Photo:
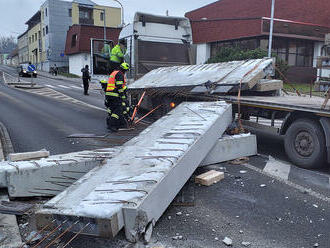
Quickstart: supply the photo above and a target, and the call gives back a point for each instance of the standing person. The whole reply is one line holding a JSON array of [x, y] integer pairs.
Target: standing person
[[115, 98], [117, 55], [55, 70], [86, 78]]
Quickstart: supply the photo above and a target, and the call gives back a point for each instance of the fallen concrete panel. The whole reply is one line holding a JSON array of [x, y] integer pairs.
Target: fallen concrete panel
[[212, 77], [50, 176], [232, 147], [136, 186]]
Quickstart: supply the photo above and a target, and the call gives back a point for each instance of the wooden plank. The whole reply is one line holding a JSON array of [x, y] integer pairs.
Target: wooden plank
[[209, 178], [28, 155], [268, 85]]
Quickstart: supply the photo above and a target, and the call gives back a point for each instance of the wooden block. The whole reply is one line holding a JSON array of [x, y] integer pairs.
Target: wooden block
[[268, 85], [209, 178], [28, 155]]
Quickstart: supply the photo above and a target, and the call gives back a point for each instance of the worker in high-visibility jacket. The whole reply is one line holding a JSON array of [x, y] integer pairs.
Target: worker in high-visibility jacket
[[117, 55], [115, 98]]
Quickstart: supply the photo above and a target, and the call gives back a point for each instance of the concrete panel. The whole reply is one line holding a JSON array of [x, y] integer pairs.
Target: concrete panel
[[231, 147], [136, 186], [50, 176]]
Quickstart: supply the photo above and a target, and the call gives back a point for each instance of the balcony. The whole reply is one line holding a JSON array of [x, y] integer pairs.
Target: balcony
[[86, 21]]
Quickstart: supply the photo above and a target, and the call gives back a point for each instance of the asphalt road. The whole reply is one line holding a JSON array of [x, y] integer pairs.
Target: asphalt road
[[267, 202], [35, 121]]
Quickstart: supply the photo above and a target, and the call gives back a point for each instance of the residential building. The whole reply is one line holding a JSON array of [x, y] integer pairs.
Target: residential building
[[299, 30], [34, 39], [13, 58], [78, 44], [23, 48], [48, 28]]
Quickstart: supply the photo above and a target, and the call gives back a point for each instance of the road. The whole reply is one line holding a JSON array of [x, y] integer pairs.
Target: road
[[267, 202], [37, 121]]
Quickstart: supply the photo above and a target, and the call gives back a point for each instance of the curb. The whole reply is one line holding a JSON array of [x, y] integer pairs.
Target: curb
[[7, 146]]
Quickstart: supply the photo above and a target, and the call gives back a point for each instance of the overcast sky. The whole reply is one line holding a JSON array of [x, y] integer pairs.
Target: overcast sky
[[14, 13]]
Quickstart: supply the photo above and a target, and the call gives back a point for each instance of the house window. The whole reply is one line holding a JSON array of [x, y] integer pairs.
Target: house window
[[85, 15], [74, 40], [70, 12], [46, 12], [39, 34], [35, 37], [29, 40], [102, 16], [32, 38], [43, 31], [46, 29]]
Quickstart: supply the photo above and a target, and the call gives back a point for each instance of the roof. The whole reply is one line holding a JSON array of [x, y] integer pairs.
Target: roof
[[243, 17], [84, 2], [157, 18], [84, 34], [18, 37], [36, 18]]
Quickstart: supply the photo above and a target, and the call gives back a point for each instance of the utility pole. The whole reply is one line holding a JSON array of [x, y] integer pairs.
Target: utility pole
[[271, 30], [122, 12]]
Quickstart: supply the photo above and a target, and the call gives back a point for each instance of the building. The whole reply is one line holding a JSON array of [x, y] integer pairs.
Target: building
[[47, 28], [34, 39], [78, 44], [299, 30], [23, 48], [13, 58]]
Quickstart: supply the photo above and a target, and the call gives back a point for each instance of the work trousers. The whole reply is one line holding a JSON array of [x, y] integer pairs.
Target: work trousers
[[86, 85], [115, 118], [114, 66]]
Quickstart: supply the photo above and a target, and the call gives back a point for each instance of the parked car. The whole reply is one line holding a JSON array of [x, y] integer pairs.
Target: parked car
[[23, 71]]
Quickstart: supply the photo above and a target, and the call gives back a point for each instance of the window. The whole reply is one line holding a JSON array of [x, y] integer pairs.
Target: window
[[47, 29], [30, 40], [46, 12], [35, 37], [85, 15], [102, 16], [70, 12], [39, 34], [43, 31], [74, 40]]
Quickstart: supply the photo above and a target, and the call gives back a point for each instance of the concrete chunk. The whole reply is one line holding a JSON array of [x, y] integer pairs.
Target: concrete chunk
[[231, 147]]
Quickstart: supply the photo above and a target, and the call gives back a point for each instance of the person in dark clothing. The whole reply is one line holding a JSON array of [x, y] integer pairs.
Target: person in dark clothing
[[86, 78], [115, 99], [55, 70]]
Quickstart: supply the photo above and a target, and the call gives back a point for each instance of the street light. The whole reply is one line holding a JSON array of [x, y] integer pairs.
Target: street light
[[271, 30], [122, 12]]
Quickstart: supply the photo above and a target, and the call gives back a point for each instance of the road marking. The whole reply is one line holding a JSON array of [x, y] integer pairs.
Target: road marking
[[277, 168], [50, 86], [291, 184], [76, 87], [63, 86]]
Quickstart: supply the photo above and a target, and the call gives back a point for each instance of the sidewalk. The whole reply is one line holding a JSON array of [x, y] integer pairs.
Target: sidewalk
[[59, 77]]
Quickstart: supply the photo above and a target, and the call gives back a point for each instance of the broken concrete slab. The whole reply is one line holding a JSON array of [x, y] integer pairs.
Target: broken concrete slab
[[136, 186], [231, 147], [14, 157], [268, 85], [8, 228], [50, 176]]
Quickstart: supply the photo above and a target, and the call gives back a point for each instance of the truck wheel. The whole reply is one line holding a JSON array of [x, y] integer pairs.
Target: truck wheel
[[305, 144]]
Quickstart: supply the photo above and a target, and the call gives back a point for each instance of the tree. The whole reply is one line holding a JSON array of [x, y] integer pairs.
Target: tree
[[7, 44]]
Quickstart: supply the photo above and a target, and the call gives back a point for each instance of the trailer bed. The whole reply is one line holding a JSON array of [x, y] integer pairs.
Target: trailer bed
[[288, 103]]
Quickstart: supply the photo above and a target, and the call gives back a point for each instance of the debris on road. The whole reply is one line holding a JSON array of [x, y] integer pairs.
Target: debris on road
[[14, 157], [209, 178], [246, 244], [227, 241], [262, 185], [239, 161]]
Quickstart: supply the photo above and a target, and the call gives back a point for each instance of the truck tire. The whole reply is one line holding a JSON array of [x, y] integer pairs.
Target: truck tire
[[304, 144]]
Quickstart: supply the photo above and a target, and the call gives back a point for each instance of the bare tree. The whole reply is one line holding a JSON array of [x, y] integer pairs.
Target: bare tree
[[7, 44]]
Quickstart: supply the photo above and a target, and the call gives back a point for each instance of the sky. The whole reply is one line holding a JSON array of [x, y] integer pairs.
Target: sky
[[14, 13]]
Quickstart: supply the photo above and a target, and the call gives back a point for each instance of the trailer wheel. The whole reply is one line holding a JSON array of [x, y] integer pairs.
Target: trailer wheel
[[305, 144]]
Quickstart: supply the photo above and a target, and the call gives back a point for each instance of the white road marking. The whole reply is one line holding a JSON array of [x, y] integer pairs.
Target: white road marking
[[50, 86], [63, 86], [278, 168], [75, 87], [291, 184]]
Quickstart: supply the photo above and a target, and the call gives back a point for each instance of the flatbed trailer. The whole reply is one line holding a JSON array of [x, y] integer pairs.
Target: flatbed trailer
[[305, 124]]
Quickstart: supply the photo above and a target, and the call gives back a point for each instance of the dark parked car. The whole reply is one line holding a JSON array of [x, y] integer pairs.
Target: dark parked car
[[23, 71]]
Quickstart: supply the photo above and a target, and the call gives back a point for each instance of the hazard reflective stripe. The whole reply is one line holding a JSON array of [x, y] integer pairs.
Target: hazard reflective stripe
[[115, 116], [109, 111], [112, 94], [124, 104]]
